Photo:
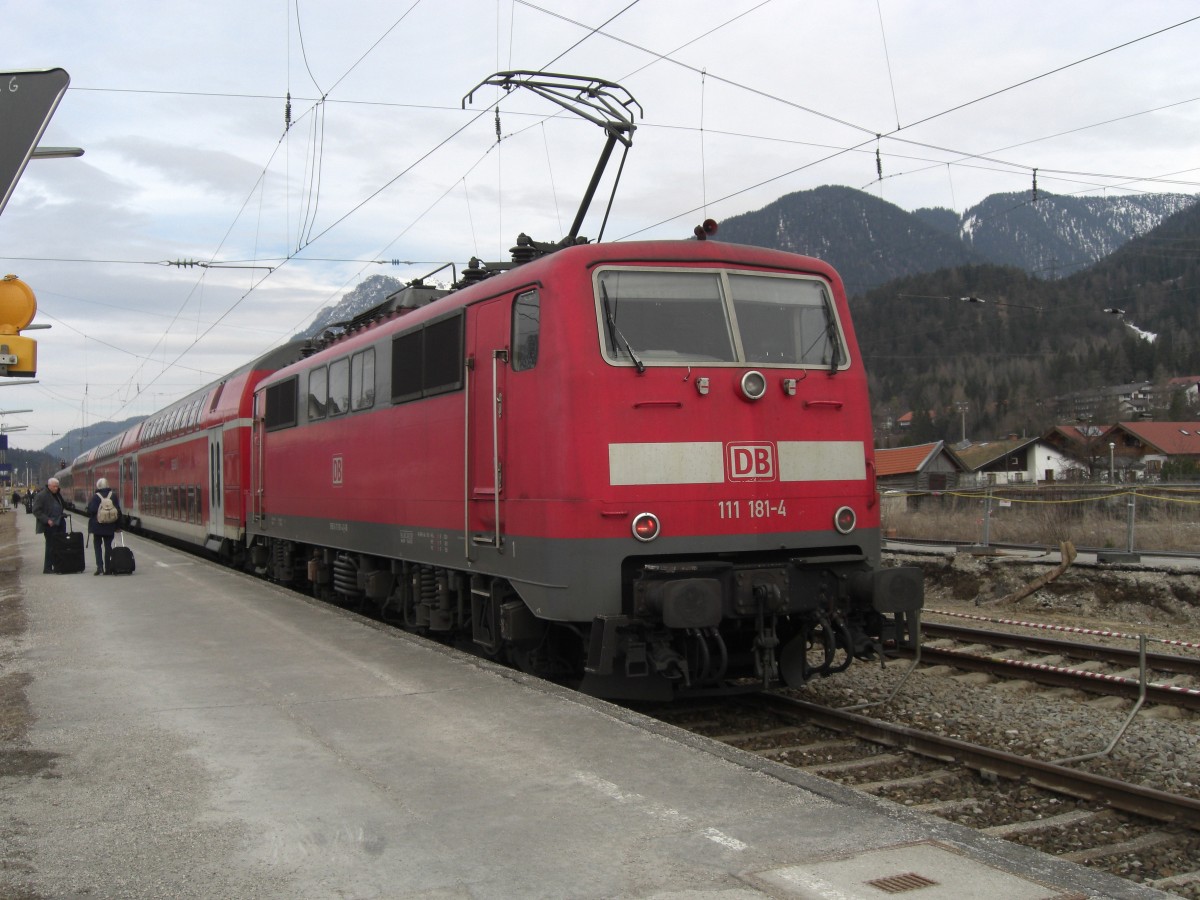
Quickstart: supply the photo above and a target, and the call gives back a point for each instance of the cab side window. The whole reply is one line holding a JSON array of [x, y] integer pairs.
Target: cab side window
[[526, 329]]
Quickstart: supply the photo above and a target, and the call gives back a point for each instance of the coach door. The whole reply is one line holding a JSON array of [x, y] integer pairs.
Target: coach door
[[216, 488], [128, 478], [487, 346]]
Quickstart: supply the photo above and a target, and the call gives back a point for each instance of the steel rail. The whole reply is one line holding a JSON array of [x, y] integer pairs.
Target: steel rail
[[1058, 676], [1149, 802], [899, 543], [1122, 656]]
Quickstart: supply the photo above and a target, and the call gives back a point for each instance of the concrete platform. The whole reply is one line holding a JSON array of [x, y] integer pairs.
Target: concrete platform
[[199, 733]]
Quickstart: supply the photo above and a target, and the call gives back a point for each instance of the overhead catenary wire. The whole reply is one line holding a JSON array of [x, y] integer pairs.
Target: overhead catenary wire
[[888, 59], [314, 237]]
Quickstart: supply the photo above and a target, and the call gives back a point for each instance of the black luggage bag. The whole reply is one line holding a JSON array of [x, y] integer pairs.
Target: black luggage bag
[[120, 558], [66, 551]]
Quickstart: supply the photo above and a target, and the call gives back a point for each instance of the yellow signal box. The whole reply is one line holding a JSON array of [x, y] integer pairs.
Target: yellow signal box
[[18, 354]]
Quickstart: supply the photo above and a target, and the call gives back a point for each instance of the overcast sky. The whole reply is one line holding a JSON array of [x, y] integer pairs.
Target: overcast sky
[[180, 108]]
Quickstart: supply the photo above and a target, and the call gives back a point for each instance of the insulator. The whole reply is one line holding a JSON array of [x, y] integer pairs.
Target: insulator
[[524, 251], [475, 271]]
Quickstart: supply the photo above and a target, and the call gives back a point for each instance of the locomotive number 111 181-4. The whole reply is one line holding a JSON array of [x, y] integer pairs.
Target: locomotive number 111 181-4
[[754, 509]]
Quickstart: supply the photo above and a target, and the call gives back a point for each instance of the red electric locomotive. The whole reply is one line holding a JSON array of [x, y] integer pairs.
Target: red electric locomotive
[[647, 467]]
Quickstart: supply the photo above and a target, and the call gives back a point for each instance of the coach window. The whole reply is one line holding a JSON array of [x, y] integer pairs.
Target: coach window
[[526, 327], [406, 366], [428, 360], [362, 379], [281, 405], [443, 364], [318, 393], [339, 387]]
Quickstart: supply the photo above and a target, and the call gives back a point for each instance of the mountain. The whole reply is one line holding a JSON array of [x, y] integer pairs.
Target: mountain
[[365, 295], [870, 241], [1058, 235], [1132, 317], [30, 467], [74, 442]]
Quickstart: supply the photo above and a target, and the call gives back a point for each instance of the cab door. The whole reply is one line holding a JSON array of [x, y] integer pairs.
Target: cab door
[[487, 344]]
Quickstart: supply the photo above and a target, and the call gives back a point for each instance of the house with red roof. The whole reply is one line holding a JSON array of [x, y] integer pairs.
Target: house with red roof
[[925, 467], [1150, 444]]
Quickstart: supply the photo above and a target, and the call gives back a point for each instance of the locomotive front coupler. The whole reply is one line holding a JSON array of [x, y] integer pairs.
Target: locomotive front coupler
[[682, 595]]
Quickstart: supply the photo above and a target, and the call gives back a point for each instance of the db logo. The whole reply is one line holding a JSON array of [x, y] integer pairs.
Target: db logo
[[750, 462], [337, 470]]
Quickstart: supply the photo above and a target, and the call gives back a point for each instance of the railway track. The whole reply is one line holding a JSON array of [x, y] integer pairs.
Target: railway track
[[1163, 678], [1095, 820]]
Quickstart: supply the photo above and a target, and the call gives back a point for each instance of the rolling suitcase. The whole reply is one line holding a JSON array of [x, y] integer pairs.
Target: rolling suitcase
[[120, 559], [66, 551]]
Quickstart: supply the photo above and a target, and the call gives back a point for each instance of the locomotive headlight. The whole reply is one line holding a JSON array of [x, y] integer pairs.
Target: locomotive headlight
[[754, 385], [844, 520], [645, 526]]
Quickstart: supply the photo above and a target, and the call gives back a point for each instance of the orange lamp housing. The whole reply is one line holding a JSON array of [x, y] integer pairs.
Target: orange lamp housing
[[18, 354]]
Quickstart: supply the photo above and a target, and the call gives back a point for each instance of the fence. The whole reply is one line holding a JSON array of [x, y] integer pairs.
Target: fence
[[1134, 518]]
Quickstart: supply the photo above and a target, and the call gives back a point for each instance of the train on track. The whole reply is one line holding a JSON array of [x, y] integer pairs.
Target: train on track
[[642, 468]]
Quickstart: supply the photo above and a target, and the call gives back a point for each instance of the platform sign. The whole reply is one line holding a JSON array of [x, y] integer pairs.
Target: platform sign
[[27, 101]]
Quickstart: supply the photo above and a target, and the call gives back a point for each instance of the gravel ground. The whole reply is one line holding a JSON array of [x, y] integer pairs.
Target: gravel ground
[[1161, 747]]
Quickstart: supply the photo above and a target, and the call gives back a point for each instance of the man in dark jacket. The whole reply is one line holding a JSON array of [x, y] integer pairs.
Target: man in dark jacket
[[48, 510], [101, 530]]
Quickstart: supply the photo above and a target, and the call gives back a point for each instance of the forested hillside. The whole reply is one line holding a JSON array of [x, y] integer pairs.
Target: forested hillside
[[928, 348]]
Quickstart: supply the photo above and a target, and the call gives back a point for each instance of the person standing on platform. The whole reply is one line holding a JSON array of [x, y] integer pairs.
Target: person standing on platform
[[48, 510], [104, 516]]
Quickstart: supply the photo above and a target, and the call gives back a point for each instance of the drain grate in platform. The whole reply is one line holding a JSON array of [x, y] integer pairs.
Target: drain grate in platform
[[898, 884]]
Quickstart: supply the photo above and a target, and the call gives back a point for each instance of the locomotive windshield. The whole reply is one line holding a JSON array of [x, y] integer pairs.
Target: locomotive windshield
[[683, 317]]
